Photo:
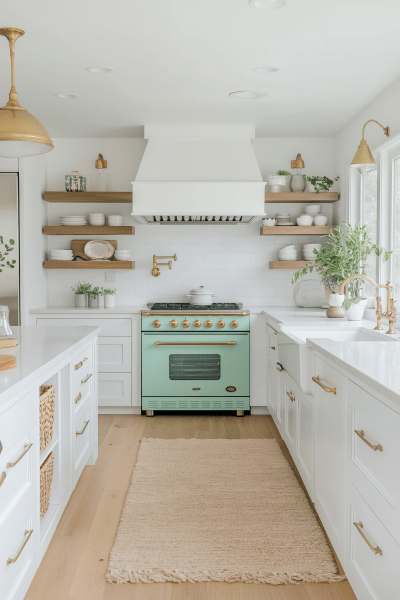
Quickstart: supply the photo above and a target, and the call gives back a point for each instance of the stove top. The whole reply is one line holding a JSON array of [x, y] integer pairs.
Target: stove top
[[186, 306]]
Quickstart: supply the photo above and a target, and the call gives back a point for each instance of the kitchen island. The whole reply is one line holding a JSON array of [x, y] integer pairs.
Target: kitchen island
[[62, 360]]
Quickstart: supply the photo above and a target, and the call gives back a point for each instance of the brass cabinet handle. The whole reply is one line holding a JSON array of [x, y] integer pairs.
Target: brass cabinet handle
[[88, 377], [79, 397], [359, 526], [195, 343], [27, 532], [80, 364], [291, 396], [279, 368], [273, 348], [324, 387], [2, 477], [360, 434], [84, 427], [27, 447]]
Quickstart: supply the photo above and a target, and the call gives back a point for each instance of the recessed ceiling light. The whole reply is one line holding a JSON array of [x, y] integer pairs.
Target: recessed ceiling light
[[267, 3], [266, 69], [247, 95], [67, 96], [100, 70]]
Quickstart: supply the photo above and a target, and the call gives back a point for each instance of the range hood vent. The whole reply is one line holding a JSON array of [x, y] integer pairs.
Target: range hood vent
[[192, 175]]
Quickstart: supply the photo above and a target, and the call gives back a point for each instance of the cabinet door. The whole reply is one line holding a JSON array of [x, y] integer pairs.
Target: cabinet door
[[115, 354], [305, 440], [290, 414], [330, 452], [115, 389]]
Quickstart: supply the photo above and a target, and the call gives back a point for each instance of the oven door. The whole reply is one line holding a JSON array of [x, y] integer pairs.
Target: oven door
[[200, 364]]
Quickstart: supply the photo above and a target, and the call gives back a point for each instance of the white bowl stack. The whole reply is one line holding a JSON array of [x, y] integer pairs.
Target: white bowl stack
[[304, 220], [122, 255], [115, 220], [312, 209], [97, 219], [308, 253], [61, 254], [72, 221], [288, 253]]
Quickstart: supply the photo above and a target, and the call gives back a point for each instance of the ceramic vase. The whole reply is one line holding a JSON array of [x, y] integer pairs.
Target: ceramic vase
[[356, 311], [109, 301], [298, 184], [93, 301], [80, 300], [101, 301], [75, 182]]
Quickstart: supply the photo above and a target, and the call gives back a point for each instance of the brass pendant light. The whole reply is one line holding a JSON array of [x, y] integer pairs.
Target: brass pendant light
[[21, 134], [363, 156]]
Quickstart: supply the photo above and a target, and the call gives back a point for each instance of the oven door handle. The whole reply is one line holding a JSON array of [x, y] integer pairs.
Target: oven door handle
[[195, 343]]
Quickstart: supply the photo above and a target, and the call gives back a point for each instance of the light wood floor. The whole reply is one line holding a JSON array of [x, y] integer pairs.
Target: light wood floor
[[74, 565]]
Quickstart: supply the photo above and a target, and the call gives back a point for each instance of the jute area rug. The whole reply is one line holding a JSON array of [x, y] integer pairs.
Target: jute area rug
[[217, 510]]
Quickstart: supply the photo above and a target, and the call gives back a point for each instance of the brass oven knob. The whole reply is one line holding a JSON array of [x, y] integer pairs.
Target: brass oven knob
[[234, 324], [157, 324], [185, 323], [221, 324], [174, 324], [196, 324], [208, 324]]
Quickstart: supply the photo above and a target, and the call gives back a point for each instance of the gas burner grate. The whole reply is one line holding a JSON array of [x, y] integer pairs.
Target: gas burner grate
[[167, 306], [186, 306]]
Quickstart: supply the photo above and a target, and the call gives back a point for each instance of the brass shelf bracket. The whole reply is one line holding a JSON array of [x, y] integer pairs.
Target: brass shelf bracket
[[156, 271]]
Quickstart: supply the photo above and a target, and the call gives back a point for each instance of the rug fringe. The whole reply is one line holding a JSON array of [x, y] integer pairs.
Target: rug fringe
[[163, 576]]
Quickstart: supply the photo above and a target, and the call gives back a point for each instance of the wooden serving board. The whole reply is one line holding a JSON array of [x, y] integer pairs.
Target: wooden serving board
[[7, 361], [9, 343], [78, 247]]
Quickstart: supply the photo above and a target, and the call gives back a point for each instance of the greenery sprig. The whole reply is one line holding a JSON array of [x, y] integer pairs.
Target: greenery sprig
[[283, 173], [320, 184], [4, 252], [82, 288]]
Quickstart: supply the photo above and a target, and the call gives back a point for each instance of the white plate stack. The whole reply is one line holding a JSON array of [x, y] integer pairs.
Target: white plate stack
[[308, 251], [288, 253], [61, 255], [73, 221], [122, 255]]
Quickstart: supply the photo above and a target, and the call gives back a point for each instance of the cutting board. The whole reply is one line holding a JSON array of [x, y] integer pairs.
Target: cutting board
[[78, 246], [8, 343], [7, 362]]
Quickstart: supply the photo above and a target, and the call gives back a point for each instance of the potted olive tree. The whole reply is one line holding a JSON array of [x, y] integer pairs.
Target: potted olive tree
[[81, 291], [346, 253]]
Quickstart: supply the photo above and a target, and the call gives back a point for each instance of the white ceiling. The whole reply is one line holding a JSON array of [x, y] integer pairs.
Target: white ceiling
[[176, 61]]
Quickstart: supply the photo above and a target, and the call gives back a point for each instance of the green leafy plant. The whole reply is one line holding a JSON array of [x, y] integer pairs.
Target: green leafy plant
[[320, 184], [345, 254], [82, 288], [109, 291], [283, 173], [5, 249], [96, 291]]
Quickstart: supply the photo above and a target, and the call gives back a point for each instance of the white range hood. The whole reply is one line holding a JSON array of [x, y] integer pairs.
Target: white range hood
[[193, 175]]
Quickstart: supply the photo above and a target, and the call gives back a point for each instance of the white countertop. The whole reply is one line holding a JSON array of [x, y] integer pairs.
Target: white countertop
[[284, 317], [73, 310], [39, 349]]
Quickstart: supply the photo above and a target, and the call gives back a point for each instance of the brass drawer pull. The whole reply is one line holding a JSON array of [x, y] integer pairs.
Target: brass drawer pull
[[280, 368], [27, 532], [2, 477], [324, 387], [27, 448], [84, 427], [273, 348], [195, 343], [359, 526], [79, 397], [291, 396], [80, 364], [88, 377], [360, 434]]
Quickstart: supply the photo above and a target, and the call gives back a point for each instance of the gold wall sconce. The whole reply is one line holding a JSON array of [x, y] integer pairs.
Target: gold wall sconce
[[363, 157], [298, 163], [156, 272], [101, 163]]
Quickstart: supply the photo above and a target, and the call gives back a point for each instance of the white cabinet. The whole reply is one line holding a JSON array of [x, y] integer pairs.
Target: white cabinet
[[330, 451], [115, 355], [290, 414], [115, 389]]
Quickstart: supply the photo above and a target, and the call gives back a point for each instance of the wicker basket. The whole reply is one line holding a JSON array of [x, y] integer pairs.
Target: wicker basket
[[46, 477], [47, 404]]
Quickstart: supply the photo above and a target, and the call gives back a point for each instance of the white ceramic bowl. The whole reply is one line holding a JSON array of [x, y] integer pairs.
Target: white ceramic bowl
[[97, 222], [96, 215], [269, 222], [60, 258], [65, 252], [290, 253], [312, 209], [303, 221], [122, 256], [312, 246], [320, 220], [291, 247]]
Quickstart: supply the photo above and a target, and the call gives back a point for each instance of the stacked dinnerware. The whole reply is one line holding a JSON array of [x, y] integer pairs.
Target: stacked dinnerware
[[122, 254], [308, 251], [73, 220], [115, 220], [283, 218], [97, 219], [288, 253], [320, 220], [61, 254], [312, 209], [304, 220]]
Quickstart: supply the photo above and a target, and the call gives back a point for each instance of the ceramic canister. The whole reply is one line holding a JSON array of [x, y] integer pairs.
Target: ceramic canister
[[75, 182]]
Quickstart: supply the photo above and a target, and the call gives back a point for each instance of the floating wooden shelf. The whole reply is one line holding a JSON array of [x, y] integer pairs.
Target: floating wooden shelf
[[296, 230], [302, 197], [110, 265], [111, 197], [88, 230], [289, 264]]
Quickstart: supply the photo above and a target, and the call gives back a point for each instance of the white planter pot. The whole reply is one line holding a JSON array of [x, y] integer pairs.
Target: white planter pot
[[201, 296], [101, 301], [336, 299], [109, 301], [80, 300], [93, 301], [356, 311]]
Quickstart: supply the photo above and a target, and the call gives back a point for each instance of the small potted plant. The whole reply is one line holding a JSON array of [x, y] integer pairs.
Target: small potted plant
[[346, 253], [81, 290], [109, 297], [100, 298], [94, 297], [280, 181], [320, 184]]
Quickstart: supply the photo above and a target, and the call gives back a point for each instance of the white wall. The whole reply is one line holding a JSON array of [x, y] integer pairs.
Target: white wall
[[231, 260]]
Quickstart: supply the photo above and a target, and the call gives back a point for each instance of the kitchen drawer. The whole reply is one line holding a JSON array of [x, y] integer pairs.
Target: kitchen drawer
[[82, 428], [375, 473], [109, 327], [373, 576], [17, 472], [17, 421], [115, 354], [83, 384], [82, 360], [290, 414], [115, 389], [18, 535]]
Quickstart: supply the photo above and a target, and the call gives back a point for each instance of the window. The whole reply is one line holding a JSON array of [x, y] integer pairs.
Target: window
[[369, 218], [396, 233]]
